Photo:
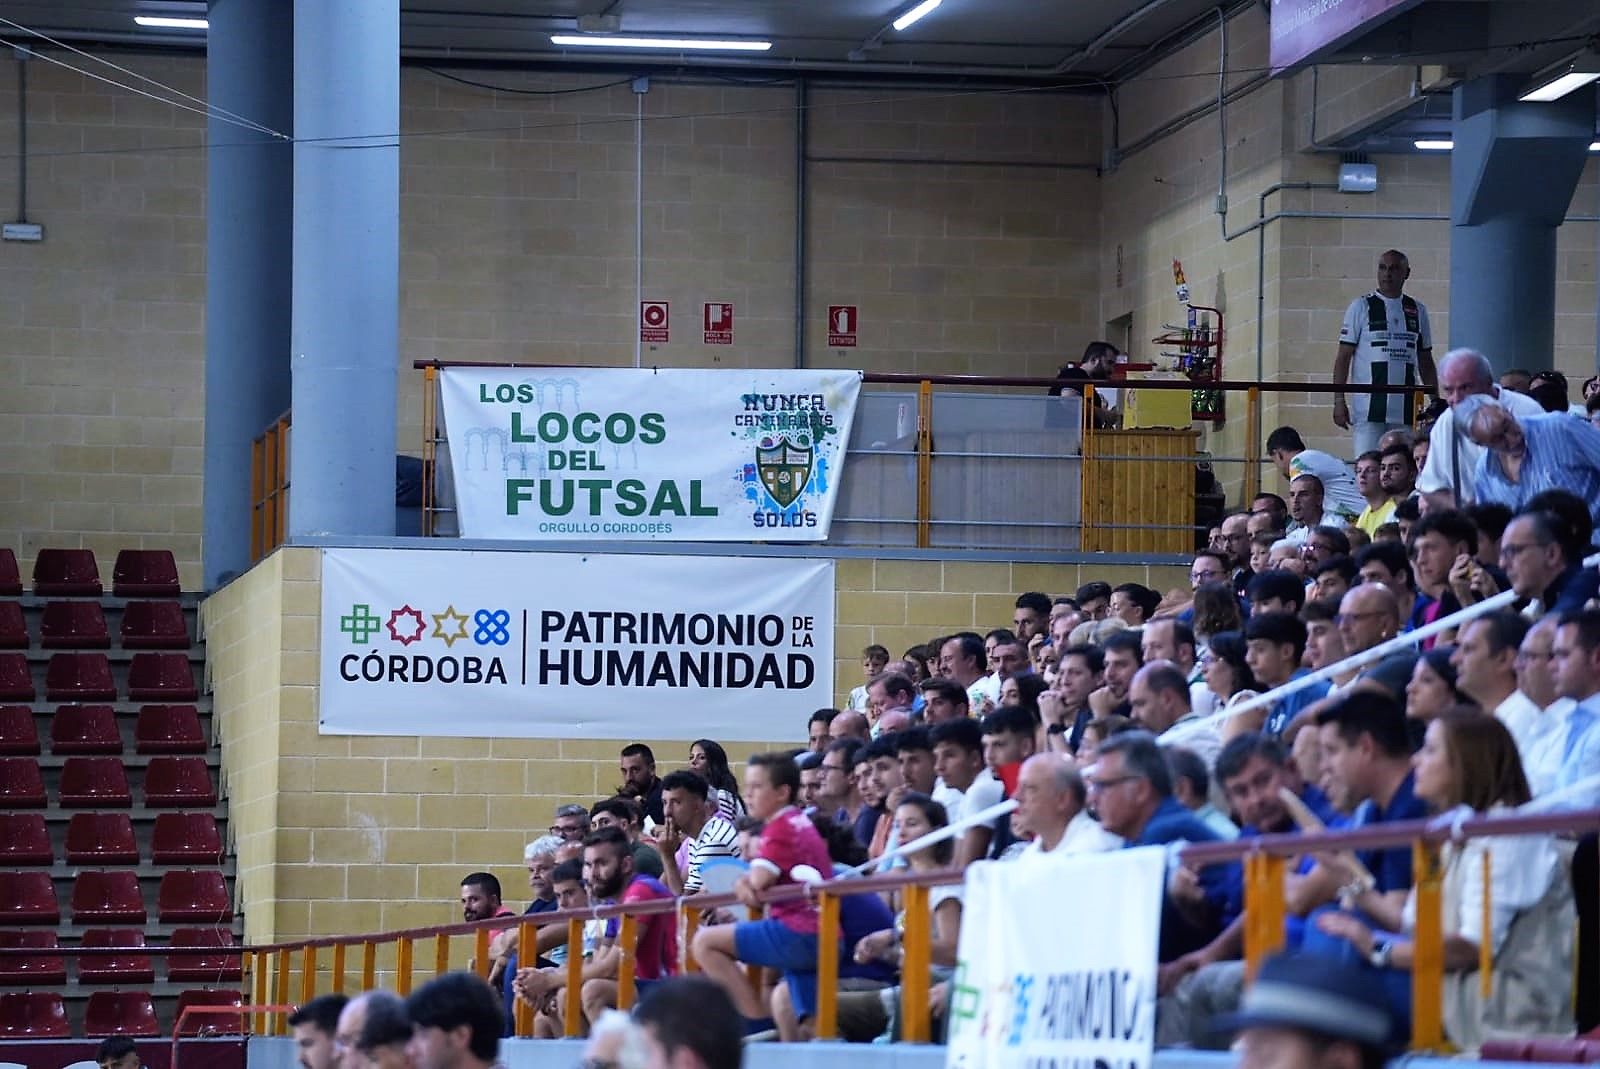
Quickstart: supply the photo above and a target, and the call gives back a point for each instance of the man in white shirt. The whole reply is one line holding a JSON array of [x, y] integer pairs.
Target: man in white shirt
[[1536, 678], [1485, 661], [1052, 805], [1307, 507], [1384, 340], [1288, 451], [1452, 457]]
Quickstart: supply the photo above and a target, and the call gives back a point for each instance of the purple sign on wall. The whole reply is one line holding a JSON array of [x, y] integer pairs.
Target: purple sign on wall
[[1300, 29]]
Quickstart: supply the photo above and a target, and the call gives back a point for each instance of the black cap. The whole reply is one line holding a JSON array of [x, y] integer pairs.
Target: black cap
[[1315, 994]]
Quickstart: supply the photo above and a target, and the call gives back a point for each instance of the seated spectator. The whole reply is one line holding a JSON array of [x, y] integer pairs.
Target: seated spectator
[[1123, 656], [1387, 564], [690, 1024], [1274, 644], [1053, 807], [1471, 760], [913, 749], [1134, 603], [120, 1052], [1276, 590], [1260, 555], [1485, 661], [480, 899], [810, 765], [1226, 669], [1432, 689], [1324, 644], [790, 851], [539, 857], [1160, 701], [1306, 506], [1544, 562], [1332, 579], [889, 693], [1397, 473], [916, 659], [964, 661], [874, 659], [1293, 460], [943, 700], [693, 833], [1273, 510], [639, 779], [1406, 514], [1324, 543], [837, 790], [1576, 657], [708, 759], [1094, 600], [1387, 532], [850, 725], [1096, 732], [567, 880], [958, 760], [454, 1023], [1008, 740], [1065, 710], [1032, 616], [1023, 691], [1170, 640], [883, 772], [312, 1025], [1490, 518], [571, 823], [622, 813], [1439, 541], [817, 729], [1368, 617], [1216, 609], [1536, 680], [386, 1032], [1286, 1019], [1369, 484], [1191, 786]]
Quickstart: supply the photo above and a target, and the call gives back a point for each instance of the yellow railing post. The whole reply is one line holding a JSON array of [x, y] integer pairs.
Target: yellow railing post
[[480, 947], [280, 1023], [690, 925], [1252, 444], [308, 974], [573, 1011], [338, 968], [914, 968], [402, 965], [1486, 942], [1427, 966], [258, 975], [628, 937], [441, 954], [527, 940], [1264, 910], [924, 464], [369, 965], [827, 1019]]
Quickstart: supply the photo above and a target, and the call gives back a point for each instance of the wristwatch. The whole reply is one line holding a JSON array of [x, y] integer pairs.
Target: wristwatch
[[1382, 951], [1056, 729]]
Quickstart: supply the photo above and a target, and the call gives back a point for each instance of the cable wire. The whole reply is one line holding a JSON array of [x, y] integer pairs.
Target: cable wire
[[523, 92]]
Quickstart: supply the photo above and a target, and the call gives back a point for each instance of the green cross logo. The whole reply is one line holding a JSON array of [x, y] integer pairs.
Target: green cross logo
[[360, 625]]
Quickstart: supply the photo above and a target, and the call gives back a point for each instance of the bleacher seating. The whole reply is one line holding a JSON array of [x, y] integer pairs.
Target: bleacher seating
[[94, 782], [117, 968], [210, 1023], [120, 1013], [185, 839], [1579, 1051], [24, 840], [73, 625], [190, 895], [10, 577], [168, 729], [101, 839], [44, 968], [161, 677], [107, 897], [66, 573], [16, 681], [19, 737], [21, 784], [13, 629], [28, 898], [33, 1015], [79, 677], [154, 625], [145, 573], [171, 782], [208, 968], [85, 729]]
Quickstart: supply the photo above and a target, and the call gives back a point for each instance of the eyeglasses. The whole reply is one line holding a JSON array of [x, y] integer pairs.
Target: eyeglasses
[[1099, 785], [1524, 657], [1205, 577], [1511, 550], [565, 831]]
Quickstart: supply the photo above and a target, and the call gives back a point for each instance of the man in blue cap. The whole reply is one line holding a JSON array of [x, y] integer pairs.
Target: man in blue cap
[[1311, 1013]]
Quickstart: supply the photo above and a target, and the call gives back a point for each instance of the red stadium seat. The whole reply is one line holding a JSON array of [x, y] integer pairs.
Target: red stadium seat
[[18, 735], [16, 681], [118, 968], [120, 1013], [154, 625], [31, 971], [10, 577], [21, 785], [169, 729], [28, 898], [187, 895], [161, 677], [25, 840], [172, 782], [85, 729], [107, 898], [1558, 1051], [186, 839], [209, 1023], [101, 839], [33, 1015], [208, 968], [144, 573], [13, 631], [74, 625], [66, 573], [79, 677], [94, 782]]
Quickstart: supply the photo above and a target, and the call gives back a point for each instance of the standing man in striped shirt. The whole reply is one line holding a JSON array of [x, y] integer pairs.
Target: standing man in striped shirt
[[692, 833], [1385, 340]]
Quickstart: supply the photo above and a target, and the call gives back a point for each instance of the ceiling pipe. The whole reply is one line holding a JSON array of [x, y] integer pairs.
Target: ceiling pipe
[[1114, 31]]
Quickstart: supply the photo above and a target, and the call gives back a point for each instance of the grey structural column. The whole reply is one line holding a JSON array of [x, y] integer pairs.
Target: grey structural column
[[249, 200], [1512, 175], [345, 333]]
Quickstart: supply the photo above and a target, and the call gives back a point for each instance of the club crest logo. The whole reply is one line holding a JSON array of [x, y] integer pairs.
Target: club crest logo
[[785, 468]]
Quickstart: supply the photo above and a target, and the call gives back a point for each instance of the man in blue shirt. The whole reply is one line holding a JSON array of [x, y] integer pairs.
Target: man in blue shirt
[[1544, 560], [1274, 644], [1525, 455]]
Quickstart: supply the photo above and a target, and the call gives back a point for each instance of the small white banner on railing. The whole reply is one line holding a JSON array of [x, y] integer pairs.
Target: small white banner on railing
[[629, 454], [573, 646], [1057, 963]]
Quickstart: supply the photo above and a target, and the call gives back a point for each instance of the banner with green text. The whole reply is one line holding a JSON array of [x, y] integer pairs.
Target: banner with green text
[[630, 454]]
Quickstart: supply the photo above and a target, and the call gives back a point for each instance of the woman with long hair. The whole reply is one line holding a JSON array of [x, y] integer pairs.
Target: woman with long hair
[[710, 760], [1469, 763], [1432, 689], [1216, 609]]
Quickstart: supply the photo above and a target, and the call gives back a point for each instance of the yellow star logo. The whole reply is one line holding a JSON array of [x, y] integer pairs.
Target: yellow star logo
[[439, 630]]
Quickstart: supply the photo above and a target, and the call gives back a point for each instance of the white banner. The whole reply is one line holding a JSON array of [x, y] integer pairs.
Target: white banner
[[1057, 963], [573, 646], [629, 454]]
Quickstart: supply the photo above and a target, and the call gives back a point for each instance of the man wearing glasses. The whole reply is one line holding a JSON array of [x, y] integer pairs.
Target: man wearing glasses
[[572, 823], [1544, 566]]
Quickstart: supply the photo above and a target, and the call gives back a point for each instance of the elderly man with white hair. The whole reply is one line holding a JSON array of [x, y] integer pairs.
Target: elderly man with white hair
[[1524, 456], [1449, 476]]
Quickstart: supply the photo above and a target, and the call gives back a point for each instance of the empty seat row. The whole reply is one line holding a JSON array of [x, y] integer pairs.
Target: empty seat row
[[138, 573], [92, 729], [43, 1015], [49, 967], [113, 897], [81, 625], [102, 782], [108, 839], [152, 677]]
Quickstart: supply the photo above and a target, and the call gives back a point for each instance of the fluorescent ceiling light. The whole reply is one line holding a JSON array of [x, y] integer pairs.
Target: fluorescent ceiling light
[[670, 44], [1434, 146], [916, 13], [1559, 87], [163, 22]]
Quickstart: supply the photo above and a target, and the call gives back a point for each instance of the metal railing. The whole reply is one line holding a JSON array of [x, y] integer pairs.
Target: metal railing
[[995, 462], [269, 488]]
